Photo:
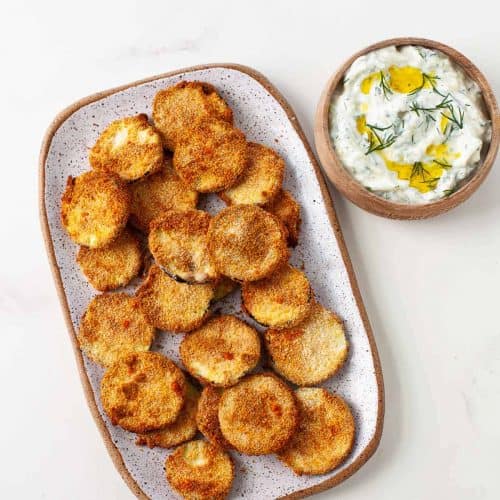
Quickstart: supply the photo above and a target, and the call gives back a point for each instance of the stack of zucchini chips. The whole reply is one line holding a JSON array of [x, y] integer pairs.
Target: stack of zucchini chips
[[134, 215]]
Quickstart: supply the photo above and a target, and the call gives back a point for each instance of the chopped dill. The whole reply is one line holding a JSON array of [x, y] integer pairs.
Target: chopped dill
[[384, 86], [442, 163], [378, 141]]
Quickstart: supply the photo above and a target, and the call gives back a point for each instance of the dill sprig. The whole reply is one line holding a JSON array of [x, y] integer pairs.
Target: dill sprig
[[384, 86], [457, 120], [378, 141], [445, 103], [442, 163], [419, 172]]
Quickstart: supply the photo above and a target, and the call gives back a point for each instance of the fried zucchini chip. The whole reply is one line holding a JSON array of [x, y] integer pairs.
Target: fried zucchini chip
[[173, 306], [212, 156], [143, 391], [259, 415], [325, 436], [157, 193], [282, 300], [198, 470], [287, 210], [177, 108], [130, 148], [223, 287], [312, 351], [261, 180], [207, 416], [221, 351], [183, 429], [246, 243], [114, 325], [114, 265], [94, 208], [178, 242]]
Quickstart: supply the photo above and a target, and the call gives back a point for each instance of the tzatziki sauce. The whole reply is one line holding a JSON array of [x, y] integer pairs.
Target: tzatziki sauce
[[409, 124]]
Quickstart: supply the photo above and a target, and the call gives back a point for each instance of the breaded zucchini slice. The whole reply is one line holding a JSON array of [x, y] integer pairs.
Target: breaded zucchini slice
[[261, 180], [143, 391], [282, 300], [325, 436], [183, 429], [287, 210], [221, 351], [223, 287], [94, 208], [114, 325], [173, 306], [198, 470], [310, 352], [212, 156], [157, 193], [176, 109], [129, 147], [207, 416], [178, 242], [259, 415], [246, 243], [114, 265]]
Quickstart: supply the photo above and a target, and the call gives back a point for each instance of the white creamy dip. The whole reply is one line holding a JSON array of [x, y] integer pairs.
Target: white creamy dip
[[409, 124]]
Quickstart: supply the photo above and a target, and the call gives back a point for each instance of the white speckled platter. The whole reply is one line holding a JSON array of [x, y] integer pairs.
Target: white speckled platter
[[262, 113]]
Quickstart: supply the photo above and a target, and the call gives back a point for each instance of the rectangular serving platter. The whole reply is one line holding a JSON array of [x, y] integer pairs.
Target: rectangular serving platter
[[265, 117]]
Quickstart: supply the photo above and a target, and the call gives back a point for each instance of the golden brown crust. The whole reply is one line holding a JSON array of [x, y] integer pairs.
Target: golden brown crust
[[259, 415], [157, 193], [143, 392], [183, 429], [261, 180], [94, 208], [114, 325], [325, 436], [178, 242], [207, 416], [310, 352], [198, 470], [282, 300], [176, 109], [246, 243], [284, 206], [212, 156], [114, 265], [129, 147], [173, 306], [221, 351]]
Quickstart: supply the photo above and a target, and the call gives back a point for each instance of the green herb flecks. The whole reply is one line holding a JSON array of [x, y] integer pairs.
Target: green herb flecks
[[386, 90], [380, 138]]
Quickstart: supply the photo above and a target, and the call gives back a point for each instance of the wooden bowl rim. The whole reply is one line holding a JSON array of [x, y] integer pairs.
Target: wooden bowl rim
[[353, 190]]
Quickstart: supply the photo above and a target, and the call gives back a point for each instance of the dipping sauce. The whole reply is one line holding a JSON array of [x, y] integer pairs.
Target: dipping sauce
[[409, 124]]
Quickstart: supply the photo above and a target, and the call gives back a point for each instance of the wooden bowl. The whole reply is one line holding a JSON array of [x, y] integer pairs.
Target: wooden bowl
[[353, 190]]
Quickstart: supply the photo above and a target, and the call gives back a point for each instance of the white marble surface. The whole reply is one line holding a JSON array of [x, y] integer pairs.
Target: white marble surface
[[431, 287]]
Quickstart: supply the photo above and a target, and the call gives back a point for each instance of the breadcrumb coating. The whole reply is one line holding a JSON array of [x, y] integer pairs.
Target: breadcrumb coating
[[325, 436], [212, 156], [284, 206], [221, 351], [173, 306], [157, 193], [310, 352], [282, 300], [259, 415], [129, 147], [143, 391], [94, 208], [176, 109], [114, 265], [261, 180], [246, 243], [198, 470]]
